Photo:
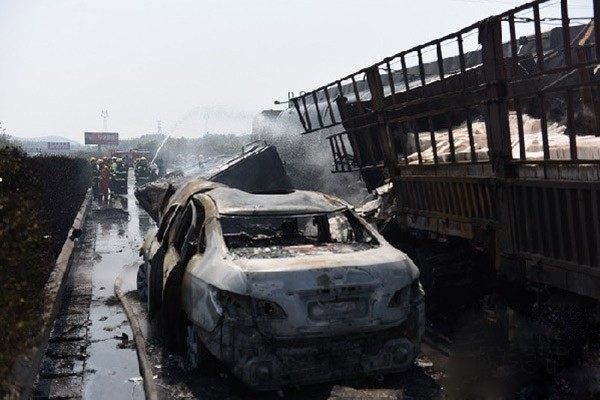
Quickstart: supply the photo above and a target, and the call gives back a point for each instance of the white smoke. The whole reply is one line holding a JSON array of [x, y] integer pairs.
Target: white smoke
[[307, 157]]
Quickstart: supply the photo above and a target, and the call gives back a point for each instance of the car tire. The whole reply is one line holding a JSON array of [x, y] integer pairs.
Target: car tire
[[155, 289], [192, 344], [197, 355], [173, 319], [142, 282]]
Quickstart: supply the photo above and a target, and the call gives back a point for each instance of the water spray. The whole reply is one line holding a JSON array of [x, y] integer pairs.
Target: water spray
[[159, 147], [192, 113]]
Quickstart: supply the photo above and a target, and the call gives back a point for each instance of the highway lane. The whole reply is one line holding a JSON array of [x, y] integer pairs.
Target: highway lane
[[90, 352]]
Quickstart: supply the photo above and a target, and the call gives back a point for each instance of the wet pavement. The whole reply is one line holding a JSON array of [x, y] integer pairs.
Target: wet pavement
[[90, 352]]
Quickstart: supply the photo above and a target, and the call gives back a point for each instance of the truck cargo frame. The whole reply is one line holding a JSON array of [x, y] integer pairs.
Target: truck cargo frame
[[538, 217]]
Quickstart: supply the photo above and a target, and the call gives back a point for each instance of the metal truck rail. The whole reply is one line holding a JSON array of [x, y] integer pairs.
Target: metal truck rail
[[489, 134]]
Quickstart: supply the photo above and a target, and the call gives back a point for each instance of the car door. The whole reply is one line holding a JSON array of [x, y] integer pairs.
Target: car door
[[180, 250], [154, 257], [181, 229], [198, 296]]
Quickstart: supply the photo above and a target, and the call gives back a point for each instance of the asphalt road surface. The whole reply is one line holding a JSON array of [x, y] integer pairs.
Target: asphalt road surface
[[90, 352]]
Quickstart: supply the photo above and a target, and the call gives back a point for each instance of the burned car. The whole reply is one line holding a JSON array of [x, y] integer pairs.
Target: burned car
[[282, 288]]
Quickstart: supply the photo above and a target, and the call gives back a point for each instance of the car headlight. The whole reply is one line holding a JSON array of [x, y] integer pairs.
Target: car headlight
[[414, 292], [268, 309], [400, 297]]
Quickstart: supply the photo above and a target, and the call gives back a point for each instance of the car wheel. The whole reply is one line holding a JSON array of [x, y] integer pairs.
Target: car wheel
[[174, 320], [196, 352], [155, 289], [142, 282], [192, 346]]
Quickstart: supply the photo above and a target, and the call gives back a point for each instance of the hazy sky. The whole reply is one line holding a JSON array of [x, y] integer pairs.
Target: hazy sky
[[192, 63]]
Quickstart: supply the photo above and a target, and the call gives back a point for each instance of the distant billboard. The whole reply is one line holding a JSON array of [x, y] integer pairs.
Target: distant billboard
[[110, 138], [59, 146]]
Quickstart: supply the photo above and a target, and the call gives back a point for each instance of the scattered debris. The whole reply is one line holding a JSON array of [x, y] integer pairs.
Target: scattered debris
[[177, 362], [123, 336]]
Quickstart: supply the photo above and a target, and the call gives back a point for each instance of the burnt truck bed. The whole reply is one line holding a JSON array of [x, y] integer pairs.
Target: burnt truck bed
[[529, 192]]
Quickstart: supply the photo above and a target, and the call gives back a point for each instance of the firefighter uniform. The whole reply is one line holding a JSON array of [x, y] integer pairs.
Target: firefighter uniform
[[113, 164], [142, 171], [104, 175], [95, 179], [120, 178]]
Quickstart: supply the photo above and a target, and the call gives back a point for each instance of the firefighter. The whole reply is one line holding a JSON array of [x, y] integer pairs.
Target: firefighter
[[153, 172], [98, 169], [112, 166], [142, 171], [120, 178], [160, 165], [104, 175], [94, 170]]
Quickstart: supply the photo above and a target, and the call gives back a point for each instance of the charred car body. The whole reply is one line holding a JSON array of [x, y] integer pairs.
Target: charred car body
[[286, 288]]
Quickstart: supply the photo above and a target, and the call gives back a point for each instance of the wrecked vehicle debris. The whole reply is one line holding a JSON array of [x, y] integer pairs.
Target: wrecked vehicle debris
[[258, 168], [285, 288]]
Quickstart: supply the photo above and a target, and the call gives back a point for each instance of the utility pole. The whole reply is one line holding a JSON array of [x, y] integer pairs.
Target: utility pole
[[206, 118], [159, 127]]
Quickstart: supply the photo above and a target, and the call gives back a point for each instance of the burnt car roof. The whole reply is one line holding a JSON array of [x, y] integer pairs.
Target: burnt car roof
[[236, 202]]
